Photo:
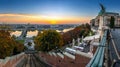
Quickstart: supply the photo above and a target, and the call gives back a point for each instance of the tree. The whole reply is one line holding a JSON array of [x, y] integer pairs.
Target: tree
[[79, 31], [29, 43], [8, 44], [48, 40], [88, 26], [18, 47], [112, 22], [67, 38]]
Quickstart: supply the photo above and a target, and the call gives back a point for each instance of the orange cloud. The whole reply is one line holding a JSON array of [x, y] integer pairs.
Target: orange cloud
[[40, 19]]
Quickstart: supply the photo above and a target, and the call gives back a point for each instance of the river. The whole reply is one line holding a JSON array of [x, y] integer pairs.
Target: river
[[33, 33]]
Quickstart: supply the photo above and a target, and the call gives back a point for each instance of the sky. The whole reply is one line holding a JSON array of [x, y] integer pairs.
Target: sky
[[53, 11]]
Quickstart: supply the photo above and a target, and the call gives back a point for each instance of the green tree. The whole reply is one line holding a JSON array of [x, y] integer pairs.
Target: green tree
[[112, 22], [8, 44], [18, 47], [79, 31], [29, 43], [88, 26], [48, 40]]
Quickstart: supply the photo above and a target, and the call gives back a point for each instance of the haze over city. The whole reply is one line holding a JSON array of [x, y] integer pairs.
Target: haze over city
[[52, 11]]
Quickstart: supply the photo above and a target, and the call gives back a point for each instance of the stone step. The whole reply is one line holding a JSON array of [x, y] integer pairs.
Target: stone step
[[89, 55], [50, 53], [61, 55], [69, 55], [54, 54]]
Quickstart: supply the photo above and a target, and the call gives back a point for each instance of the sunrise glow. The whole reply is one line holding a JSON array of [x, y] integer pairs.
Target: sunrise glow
[[53, 22], [50, 11], [41, 19]]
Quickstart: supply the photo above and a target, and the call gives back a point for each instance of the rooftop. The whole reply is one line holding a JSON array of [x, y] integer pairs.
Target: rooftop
[[111, 13]]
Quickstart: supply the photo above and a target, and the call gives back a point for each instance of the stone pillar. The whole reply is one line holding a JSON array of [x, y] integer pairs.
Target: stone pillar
[[116, 22], [91, 48], [78, 41], [105, 21], [73, 42], [101, 24]]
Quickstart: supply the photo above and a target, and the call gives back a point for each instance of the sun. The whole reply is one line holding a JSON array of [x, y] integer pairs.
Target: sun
[[53, 22], [52, 19]]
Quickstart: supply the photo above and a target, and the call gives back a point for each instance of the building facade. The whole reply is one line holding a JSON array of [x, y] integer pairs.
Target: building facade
[[104, 19]]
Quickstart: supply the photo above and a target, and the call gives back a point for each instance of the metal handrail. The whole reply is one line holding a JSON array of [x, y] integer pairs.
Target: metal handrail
[[91, 61], [97, 60]]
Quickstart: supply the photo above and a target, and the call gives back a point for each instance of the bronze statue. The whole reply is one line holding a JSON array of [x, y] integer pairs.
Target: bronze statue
[[102, 11]]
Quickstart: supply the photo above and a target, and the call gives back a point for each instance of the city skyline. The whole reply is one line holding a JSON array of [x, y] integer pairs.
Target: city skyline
[[53, 11]]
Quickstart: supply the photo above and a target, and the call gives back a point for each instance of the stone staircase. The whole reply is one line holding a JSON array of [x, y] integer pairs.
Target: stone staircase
[[65, 59]]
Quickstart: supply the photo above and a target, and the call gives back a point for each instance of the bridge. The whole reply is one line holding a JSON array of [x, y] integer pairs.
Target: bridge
[[24, 33]]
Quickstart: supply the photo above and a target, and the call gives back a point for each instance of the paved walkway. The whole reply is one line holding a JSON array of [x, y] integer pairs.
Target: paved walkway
[[116, 39], [114, 45]]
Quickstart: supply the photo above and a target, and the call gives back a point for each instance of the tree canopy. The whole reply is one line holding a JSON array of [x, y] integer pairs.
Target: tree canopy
[[112, 22], [48, 40], [79, 31], [8, 44]]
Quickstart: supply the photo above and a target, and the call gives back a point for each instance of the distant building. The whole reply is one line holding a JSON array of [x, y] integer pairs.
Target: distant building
[[103, 18]]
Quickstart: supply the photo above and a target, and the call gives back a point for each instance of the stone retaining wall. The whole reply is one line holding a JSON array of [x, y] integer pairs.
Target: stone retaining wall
[[11, 61]]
